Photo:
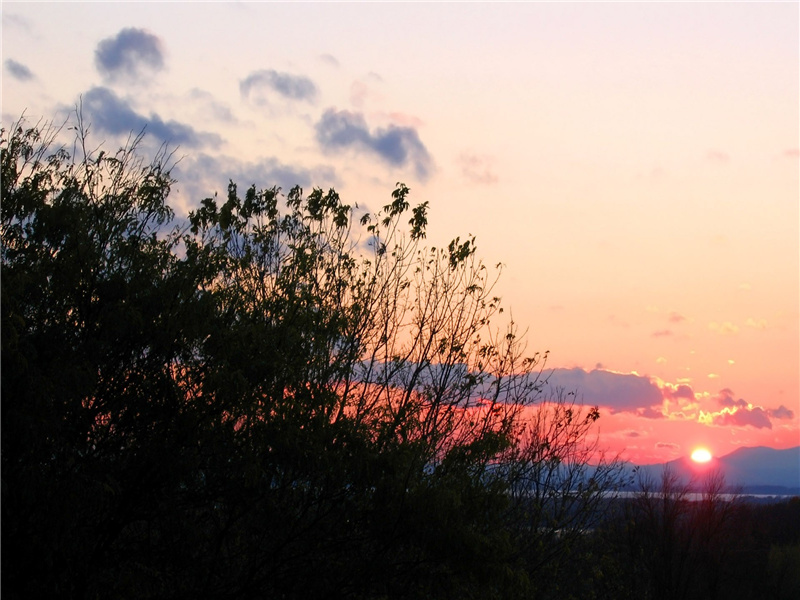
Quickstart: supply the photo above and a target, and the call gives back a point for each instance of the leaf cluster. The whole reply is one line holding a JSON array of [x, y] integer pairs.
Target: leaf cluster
[[274, 398]]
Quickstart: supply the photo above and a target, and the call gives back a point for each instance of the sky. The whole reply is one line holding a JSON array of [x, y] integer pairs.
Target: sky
[[634, 166]]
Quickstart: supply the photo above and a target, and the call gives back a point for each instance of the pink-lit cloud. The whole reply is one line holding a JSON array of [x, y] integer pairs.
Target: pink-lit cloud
[[742, 417]]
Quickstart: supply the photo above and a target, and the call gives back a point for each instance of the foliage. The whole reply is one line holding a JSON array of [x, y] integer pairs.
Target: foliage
[[275, 398]]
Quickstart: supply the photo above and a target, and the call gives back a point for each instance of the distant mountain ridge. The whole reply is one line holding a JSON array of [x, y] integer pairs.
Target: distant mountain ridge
[[757, 470]]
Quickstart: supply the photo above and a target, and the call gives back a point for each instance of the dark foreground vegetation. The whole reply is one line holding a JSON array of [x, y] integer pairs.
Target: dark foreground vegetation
[[284, 397]]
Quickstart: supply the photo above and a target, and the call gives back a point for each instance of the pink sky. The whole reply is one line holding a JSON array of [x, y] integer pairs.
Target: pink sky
[[633, 165]]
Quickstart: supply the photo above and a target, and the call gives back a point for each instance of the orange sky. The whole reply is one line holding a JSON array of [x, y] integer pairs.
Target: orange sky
[[633, 165]]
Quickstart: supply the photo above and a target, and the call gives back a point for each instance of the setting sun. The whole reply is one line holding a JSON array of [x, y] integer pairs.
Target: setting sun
[[701, 455]]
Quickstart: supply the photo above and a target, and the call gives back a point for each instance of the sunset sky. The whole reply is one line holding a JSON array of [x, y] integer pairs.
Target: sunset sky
[[633, 165]]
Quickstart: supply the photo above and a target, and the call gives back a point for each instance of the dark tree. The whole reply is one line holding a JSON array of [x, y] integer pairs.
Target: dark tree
[[274, 398]]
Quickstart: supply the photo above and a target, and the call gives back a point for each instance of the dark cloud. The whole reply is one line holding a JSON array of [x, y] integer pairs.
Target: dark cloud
[[18, 70], [108, 113], [129, 55], [725, 398], [649, 413], [662, 333], [741, 417], [633, 434], [617, 391], [291, 87], [781, 413], [398, 146], [682, 391]]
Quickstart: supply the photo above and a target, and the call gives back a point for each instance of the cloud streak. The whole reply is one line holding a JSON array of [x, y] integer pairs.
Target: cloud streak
[[18, 71], [108, 113], [396, 146], [129, 55]]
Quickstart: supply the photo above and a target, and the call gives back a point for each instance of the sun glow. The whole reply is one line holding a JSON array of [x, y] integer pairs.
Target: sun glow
[[701, 455]]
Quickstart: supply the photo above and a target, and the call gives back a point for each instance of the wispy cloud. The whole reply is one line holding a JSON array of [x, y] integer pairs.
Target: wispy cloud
[[329, 59], [129, 55], [397, 146], [760, 324], [477, 169], [676, 317], [670, 445], [17, 70], [725, 328], [718, 157], [216, 110], [107, 112]]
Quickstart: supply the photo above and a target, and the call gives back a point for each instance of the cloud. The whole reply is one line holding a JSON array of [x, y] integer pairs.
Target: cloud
[[477, 169], [792, 153], [726, 328], [675, 317], [18, 70], [725, 398], [105, 111], [397, 146], [215, 110], [718, 156], [781, 413], [131, 54], [329, 59], [741, 417], [359, 91], [668, 445], [740, 413], [633, 434], [662, 333], [759, 324], [11, 20], [201, 175], [649, 413], [617, 391], [681, 391], [290, 87]]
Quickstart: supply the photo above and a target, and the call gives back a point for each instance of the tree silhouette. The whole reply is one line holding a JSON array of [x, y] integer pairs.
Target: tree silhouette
[[278, 397]]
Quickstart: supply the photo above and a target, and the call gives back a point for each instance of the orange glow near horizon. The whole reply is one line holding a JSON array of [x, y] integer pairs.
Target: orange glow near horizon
[[701, 455]]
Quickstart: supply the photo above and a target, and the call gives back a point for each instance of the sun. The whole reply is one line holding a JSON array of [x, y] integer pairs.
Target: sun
[[701, 455]]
